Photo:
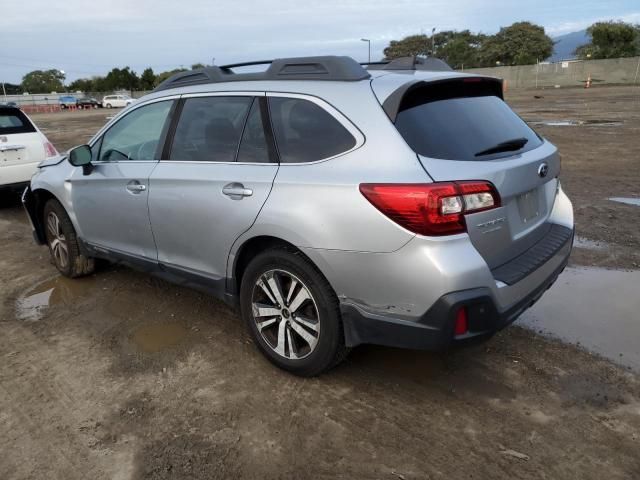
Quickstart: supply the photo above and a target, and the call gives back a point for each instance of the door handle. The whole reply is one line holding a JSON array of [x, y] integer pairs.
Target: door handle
[[236, 191], [135, 186]]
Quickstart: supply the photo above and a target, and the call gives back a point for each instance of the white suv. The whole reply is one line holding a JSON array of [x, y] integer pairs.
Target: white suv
[[111, 101], [22, 148]]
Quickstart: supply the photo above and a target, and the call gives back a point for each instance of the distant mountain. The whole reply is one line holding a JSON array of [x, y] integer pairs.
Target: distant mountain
[[566, 44]]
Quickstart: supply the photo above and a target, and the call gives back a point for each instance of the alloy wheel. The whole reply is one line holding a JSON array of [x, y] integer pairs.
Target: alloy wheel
[[286, 315], [57, 241]]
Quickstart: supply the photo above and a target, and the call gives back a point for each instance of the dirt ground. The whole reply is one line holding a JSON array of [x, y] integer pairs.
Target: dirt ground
[[123, 376]]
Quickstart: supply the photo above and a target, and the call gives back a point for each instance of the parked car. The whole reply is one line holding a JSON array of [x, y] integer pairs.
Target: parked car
[[9, 104], [67, 101], [334, 205], [89, 102], [22, 148], [116, 101]]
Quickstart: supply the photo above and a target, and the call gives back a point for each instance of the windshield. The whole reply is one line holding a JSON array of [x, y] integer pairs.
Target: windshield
[[454, 121]]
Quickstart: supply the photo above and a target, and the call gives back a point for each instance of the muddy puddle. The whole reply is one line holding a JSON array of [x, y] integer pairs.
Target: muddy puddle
[[577, 123], [626, 200], [55, 291], [597, 308], [154, 338]]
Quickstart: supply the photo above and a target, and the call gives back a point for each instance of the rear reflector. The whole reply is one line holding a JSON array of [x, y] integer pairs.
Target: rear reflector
[[431, 208], [49, 149], [461, 326]]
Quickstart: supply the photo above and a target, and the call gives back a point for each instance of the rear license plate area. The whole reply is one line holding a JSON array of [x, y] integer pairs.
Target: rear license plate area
[[528, 205]]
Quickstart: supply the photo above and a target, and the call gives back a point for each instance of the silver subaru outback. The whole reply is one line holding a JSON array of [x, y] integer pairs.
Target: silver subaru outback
[[403, 204]]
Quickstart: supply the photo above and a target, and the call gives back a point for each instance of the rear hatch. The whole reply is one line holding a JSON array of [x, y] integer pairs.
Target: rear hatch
[[461, 129], [20, 142]]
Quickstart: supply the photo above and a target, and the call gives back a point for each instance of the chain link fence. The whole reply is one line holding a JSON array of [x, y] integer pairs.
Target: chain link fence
[[618, 71]]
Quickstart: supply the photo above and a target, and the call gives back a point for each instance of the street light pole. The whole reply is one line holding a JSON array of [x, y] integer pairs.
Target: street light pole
[[433, 42], [369, 44]]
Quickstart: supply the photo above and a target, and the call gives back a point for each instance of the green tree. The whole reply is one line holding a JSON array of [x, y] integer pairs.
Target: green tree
[[83, 85], [121, 79], [611, 40], [161, 77], [408, 46], [458, 49], [147, 79], [522, 43], [197, 65], [43, 81], [11, 88]]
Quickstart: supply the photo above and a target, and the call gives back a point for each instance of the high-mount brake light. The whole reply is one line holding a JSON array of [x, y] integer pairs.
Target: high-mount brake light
[[432, 209]]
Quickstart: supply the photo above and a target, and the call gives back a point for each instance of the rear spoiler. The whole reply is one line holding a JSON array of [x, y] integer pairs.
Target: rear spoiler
[[466, 86]]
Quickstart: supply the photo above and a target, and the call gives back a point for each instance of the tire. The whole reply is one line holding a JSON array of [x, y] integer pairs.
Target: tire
[[63, 242], [304, 345], [108, 105]]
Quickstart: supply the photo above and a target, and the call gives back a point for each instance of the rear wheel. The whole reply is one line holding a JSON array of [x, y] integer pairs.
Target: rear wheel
[[108, 105], [292, 313], [63, 242]]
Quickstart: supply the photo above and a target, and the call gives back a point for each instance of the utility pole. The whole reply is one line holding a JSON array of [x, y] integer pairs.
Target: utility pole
[[433, 42], [4, 92]]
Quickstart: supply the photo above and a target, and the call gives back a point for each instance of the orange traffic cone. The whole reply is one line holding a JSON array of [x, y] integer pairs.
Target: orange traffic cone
[[588, 83]]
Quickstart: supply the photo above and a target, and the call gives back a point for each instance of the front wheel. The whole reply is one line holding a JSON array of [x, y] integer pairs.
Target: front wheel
[[292, 313], [63, 242], [108, 105]]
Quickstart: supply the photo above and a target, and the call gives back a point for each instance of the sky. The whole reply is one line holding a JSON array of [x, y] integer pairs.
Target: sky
[[83, 41]]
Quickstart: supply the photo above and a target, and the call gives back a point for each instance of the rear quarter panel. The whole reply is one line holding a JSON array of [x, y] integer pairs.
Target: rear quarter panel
[[319, 205]]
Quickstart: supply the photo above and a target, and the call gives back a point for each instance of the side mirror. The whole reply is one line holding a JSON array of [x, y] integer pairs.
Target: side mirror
[[81, 157]]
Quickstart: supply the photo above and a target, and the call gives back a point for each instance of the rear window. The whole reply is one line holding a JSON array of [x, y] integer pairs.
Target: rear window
[[14, 121], [305, 132], [462, 121]]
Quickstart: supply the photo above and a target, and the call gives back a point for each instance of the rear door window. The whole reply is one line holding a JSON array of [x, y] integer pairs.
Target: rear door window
[[461, 121], [209, 129], [14, 121], [306, 132]]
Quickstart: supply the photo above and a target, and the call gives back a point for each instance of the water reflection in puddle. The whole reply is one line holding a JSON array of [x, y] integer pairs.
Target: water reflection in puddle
[[598, 308], [59, 290], [627, 200], [153, 338]]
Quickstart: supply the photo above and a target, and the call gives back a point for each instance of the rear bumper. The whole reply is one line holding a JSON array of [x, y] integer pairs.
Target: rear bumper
[[434, 330], [20, 173]]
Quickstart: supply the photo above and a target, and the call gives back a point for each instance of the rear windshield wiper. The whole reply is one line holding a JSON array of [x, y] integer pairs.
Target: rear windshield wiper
[[506, 146]]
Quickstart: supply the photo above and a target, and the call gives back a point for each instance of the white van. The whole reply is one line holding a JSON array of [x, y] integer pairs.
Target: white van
[[111, 101]]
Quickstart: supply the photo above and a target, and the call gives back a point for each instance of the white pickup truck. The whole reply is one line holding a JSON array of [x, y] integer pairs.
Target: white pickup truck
[[22, 148]]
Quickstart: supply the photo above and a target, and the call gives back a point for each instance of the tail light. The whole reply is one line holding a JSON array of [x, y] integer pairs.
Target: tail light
[[49, 149], [431, 208]]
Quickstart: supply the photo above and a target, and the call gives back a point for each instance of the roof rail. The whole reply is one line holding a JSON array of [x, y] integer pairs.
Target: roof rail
[[302, 68], [431, 64]]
